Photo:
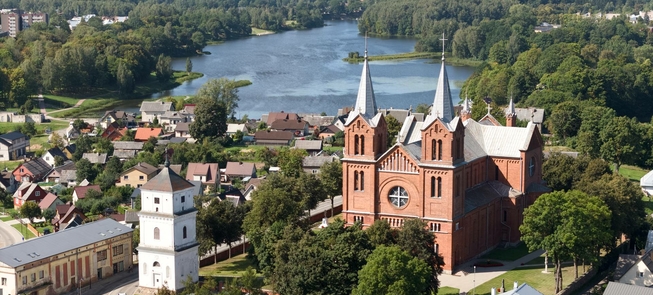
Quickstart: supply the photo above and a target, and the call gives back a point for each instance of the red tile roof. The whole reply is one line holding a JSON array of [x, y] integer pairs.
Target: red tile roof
[[272, 116], [143, 134], [82, 190]]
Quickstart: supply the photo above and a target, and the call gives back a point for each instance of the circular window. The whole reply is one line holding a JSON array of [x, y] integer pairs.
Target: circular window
[[398, 196]]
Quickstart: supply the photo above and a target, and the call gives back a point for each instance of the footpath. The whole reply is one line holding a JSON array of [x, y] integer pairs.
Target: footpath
[[465, 279]]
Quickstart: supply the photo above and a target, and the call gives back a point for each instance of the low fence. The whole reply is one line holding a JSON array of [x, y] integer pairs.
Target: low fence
[[33, 230], [603, 265]]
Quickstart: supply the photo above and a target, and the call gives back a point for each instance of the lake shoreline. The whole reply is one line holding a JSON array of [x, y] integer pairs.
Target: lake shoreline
[[416, 55]]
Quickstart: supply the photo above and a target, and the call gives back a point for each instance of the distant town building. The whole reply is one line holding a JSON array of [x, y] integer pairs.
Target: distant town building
[[60, 262], [14, 20]]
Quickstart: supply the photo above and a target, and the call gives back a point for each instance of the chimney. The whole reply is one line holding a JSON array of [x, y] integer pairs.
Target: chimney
[[493, 291], [515, 285]]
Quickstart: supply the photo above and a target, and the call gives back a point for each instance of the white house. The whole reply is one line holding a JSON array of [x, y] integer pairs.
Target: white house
[[233, 128], [168, 250], [50, 154], [152, 109], [646, 182], [12, 145], [635, 270]]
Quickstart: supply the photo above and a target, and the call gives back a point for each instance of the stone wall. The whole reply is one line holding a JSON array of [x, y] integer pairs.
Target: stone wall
[[16, 118]]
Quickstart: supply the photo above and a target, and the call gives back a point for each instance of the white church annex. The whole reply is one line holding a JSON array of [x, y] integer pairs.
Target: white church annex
[[168, 249]]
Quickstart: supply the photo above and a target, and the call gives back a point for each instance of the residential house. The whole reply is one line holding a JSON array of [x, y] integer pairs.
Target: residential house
[[251, 186], [121, 117], [233, 195], [312, 164], [297, 127], [51, 201], [28, 191], [138, 175], [635, 269], [154, 109], [71, 132], [126, 150], [96, 158], [402, 114], [273, 138], [189, 109], [144, 133], [312, 147], [66, 214], [69, 150], [65, 174], [80, 192], [114, 132], [33, 171], [51, 154], [238, 170], [170, 119], [273, 116], [615, 288], [316, 120], [8, 181], [13, 145], [183, 130], [62, 262], [233, 128], [328, 131], [207, 173], [646, 182]]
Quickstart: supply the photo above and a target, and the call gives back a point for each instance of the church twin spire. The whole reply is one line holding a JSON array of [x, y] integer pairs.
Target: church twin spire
[[442, 103], [365, 101]]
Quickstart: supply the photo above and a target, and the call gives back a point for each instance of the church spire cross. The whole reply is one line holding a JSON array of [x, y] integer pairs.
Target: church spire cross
[[365, 101], [443, 39], [366, 44]]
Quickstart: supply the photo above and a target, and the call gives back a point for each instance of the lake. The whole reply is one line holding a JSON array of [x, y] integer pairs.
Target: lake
[[303, 71]]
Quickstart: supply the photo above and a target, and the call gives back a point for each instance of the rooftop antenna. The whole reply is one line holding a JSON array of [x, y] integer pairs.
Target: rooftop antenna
[[443, 39]]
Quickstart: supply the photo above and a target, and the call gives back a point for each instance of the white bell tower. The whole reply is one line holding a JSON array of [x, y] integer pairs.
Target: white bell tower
[[168, 250]]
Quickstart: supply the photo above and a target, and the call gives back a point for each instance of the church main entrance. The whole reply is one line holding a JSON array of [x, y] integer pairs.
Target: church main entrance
[[157, 281]]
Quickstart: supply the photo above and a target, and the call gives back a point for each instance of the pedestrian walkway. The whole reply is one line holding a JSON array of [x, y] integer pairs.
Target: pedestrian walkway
[[465, 279]]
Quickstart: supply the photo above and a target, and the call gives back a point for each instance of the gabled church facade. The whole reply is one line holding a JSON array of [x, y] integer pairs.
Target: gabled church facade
[[469, 181]]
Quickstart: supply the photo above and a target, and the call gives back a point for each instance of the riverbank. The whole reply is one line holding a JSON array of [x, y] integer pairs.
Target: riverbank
[[416, 55], [104, 99]]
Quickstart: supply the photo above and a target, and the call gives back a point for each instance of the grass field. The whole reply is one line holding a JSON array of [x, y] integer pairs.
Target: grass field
[[631, 172], [54, 125], [5, 218], [233, 267], [545, 283], [24, 231], [448, 291], [507, 254]]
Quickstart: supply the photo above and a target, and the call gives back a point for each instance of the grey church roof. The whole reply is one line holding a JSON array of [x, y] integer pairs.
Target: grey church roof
[[615, 288], [442, 103], [365, 101], [45, 246], [167, 181]]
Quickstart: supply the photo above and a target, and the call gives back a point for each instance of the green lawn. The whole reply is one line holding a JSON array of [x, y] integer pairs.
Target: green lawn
[[507, 254], [66, 101], [257, 31], [54, 125], [545, 283], [5, 218], [631, 172], [448, 291], [24, 231], [332, 149], [233, 267], [648, 205], [10, 165]]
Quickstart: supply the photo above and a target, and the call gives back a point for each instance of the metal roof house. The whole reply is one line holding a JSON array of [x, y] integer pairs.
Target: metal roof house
[[62, 261]]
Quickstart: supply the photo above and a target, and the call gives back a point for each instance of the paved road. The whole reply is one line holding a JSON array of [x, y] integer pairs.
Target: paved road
[[9, 235]]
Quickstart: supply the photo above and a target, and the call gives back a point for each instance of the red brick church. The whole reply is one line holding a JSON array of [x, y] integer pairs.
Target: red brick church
[[470, 181]]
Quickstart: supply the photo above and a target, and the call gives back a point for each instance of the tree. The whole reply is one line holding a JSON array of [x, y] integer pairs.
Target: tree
[[380, 233], [390, 270], [79, 124], [290, 161], [30, 210], [221, 91], [28, 129], [85, 170], [6, 199], [210, 120], [58, 161], [218, 223], [125, 78], [331, 180], [556, 224], [150, 144], [48, 214], [394, 127], [422, 108], [56, 140], [415, 238], [620, 140], [136, 239], [565, 120], [163, 68], [189, 65]]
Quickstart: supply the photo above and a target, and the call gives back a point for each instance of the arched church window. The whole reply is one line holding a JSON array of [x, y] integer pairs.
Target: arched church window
[[398, 196], [434, 146], [156, 233], [433, 187], [439, 192], [531, 167], [355, 180], [184, 232], [356, 148], [439, 149], [362, 145], [156, 264], [362, 182]]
